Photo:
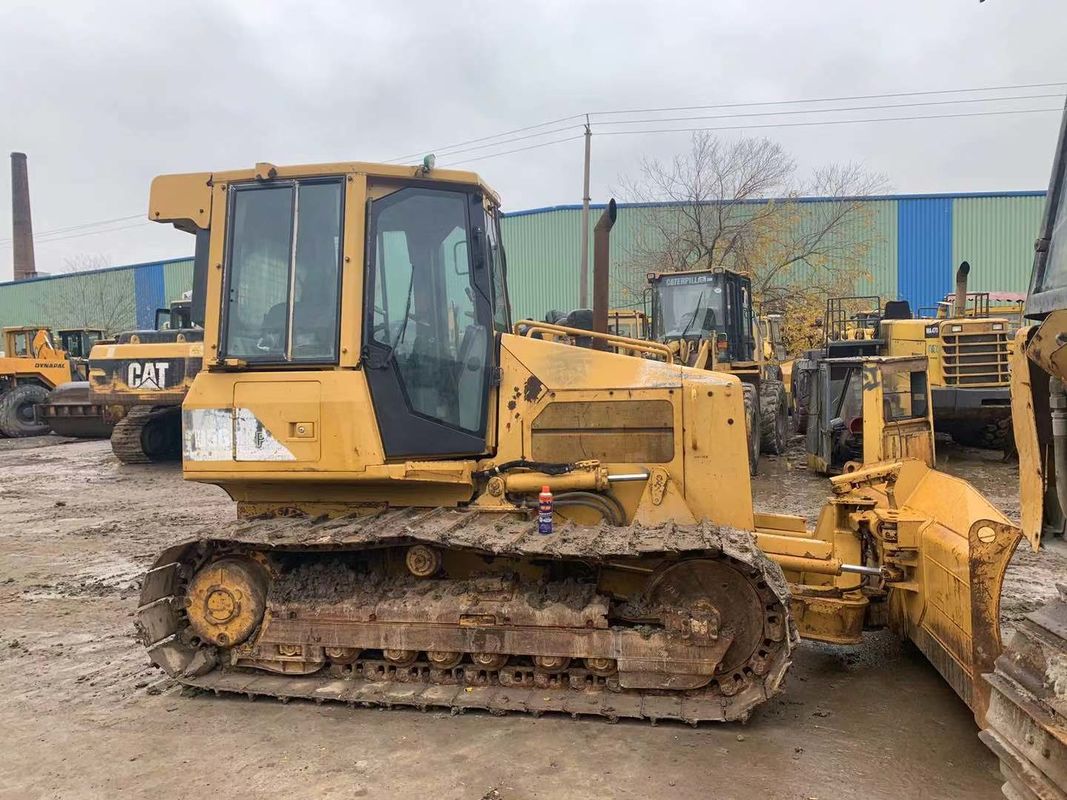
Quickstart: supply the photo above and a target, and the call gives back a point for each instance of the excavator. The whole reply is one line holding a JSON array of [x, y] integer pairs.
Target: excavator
[[1026, 724], [140, 378], [388, 437]]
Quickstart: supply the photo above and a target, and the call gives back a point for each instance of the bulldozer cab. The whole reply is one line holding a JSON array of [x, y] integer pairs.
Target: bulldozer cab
[[705, 305], [419, 320], [865, 410]]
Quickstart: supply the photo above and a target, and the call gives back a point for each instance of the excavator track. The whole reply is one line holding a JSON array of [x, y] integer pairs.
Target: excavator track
[[460, 609], [146, 435]]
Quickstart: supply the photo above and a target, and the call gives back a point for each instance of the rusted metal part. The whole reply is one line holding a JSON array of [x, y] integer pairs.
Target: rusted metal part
[[1026, 723], [677, 648]]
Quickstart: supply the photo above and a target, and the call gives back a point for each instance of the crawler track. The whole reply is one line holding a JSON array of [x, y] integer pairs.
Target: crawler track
[[512, 592], [146, 435]]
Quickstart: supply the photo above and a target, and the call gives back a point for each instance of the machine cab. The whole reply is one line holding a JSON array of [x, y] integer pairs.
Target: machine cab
[[869, 410], [699, 305], [331, 281]]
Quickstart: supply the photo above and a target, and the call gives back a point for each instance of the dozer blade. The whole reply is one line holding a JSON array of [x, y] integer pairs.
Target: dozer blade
[[946, 549]]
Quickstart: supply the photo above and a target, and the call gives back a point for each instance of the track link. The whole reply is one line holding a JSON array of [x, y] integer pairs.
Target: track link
[[371, 679]]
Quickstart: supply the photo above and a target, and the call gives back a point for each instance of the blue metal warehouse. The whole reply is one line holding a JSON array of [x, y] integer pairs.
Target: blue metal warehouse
[[917, 242]]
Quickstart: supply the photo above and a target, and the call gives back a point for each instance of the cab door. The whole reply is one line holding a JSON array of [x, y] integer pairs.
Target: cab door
[[429, 338]]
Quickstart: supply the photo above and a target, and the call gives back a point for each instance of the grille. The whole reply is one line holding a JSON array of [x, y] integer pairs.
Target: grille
[[975, 358]]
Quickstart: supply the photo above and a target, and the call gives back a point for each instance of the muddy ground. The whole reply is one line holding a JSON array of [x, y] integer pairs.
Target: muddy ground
[[84, 715]]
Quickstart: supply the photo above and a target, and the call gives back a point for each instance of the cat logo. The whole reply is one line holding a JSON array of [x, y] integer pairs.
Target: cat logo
[[149, 375]]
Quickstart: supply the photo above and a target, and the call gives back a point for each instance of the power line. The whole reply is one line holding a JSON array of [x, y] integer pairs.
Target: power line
[[37, 240], [419, 153], [835, 99], [506, 141], [521, 149], [69, 228], [878, 107], [493, 138], [834, 121]]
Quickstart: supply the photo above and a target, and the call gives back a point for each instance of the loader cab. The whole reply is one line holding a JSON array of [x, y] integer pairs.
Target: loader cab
[[712, 305]]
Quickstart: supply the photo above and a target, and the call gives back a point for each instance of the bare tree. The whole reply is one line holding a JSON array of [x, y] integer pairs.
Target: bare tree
[[103, 300], [741, 205]]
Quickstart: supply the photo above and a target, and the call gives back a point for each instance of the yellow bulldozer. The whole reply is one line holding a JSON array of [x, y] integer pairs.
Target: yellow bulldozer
[[140, 378], [42, 384], [388, 437], [1027, 717]]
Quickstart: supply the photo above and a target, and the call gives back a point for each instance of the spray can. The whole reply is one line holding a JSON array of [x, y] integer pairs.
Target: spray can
[[544, 511]]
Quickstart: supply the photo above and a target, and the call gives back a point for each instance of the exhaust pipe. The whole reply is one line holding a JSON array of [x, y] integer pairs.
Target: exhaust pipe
[[961, 290], [601, 252]]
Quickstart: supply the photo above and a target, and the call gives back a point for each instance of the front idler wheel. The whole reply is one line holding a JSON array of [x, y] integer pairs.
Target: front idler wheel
[[225, 601]]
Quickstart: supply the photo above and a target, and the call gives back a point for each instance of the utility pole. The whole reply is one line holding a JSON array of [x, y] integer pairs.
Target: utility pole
[[583, 280]]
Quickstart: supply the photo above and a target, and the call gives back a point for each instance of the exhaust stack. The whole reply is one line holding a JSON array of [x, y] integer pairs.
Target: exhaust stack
[[961, 290], [21, 225], [601, 253]]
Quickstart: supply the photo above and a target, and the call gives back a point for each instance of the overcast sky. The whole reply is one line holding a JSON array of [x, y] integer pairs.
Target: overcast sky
[[103, 96]]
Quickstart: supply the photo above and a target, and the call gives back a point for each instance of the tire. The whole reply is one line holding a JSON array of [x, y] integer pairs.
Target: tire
[[752, 425], [774, 418], [16, 411], [999, 436]]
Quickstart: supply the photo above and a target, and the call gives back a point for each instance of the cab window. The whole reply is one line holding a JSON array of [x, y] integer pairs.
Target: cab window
[[283, 271]]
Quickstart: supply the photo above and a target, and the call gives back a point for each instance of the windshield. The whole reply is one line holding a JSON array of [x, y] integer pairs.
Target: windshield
[[688, 306]]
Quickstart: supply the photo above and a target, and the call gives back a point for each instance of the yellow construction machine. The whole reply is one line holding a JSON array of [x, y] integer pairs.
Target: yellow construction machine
[[866, 410], [386, 436], [140, 379], [706, 317], [42, 385], [1027, 719], [968, 357]]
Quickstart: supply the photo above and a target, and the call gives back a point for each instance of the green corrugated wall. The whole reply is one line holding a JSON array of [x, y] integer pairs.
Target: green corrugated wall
[[177, 279], [996, 235], [93, 299], [543, 256]]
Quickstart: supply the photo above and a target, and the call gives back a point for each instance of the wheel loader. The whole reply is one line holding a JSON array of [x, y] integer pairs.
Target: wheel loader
[[706, 317], [386, 435], [42, 385], [968, 358], [1027, 717], [140, 380]]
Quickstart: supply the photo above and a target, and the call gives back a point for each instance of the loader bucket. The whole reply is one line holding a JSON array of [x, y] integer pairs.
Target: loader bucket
[[948, 562]]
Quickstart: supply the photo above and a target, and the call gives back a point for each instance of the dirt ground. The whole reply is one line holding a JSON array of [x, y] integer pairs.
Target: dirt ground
[[85, 716]]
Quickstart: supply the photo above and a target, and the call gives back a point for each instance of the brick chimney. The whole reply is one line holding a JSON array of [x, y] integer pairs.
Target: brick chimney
[[21, 226]]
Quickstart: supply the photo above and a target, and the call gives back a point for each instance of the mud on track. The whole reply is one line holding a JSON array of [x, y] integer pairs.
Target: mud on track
[[85, 716]]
